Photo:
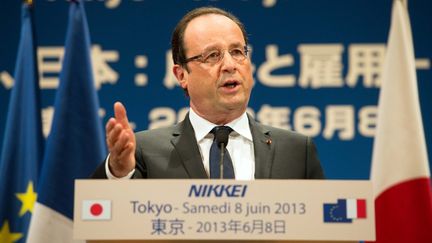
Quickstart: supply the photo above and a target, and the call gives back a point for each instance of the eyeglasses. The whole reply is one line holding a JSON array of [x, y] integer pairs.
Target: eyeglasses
[[214, 56]]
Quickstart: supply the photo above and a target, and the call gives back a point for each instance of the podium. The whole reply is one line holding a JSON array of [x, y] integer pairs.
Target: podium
[[176, 210]]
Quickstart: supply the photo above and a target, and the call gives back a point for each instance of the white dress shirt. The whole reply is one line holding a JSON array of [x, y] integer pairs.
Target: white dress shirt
[[240, 146]]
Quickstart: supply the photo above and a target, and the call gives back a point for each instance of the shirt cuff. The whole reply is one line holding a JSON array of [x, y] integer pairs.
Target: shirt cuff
[[112, 177]]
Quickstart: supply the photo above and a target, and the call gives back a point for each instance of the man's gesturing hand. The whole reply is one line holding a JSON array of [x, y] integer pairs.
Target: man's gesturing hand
[[121, 142]]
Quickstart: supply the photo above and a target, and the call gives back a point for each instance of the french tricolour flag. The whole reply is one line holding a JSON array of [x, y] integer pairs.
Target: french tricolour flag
[[356, 208], [96, 210]]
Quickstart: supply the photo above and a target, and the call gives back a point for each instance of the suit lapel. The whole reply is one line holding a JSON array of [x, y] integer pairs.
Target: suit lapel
[[263, 149], [185, 144]]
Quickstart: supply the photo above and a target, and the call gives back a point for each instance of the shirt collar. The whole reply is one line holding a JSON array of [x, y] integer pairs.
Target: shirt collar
[[202, 127]]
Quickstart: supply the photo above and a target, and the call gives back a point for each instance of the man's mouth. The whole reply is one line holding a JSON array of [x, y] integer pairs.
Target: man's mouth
[[231, 84]]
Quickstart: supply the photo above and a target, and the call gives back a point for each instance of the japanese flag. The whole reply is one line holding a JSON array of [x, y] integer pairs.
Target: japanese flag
[[96, 210]]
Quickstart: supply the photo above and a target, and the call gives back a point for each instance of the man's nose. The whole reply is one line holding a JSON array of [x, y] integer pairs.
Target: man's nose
[[228, 62]]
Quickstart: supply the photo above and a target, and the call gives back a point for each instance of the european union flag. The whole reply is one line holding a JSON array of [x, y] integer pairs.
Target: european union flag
[[336, 212], [76, 144], [23, 140]]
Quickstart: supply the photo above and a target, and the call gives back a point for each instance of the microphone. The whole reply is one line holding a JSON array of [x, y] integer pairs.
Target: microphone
[[221, 136]]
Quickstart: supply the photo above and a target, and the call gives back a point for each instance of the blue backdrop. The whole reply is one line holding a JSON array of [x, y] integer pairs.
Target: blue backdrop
[[317, 65]]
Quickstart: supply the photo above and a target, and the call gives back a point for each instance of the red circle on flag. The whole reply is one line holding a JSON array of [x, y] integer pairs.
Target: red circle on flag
[[96, 209]]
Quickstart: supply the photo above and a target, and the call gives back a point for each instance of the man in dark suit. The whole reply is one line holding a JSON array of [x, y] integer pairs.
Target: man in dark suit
[[212, 65]]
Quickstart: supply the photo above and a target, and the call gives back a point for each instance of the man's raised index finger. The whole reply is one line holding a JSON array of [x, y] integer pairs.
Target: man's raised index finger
[[120, 114]]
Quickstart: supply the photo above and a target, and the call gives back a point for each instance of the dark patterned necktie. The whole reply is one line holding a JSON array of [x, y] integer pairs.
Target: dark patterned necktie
[[215, 154]]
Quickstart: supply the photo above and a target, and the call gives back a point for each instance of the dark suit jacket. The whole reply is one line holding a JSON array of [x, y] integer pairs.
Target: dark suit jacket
[[173, 153]]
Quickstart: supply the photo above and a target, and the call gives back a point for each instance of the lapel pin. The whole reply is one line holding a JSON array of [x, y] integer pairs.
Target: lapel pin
[[269, 141]]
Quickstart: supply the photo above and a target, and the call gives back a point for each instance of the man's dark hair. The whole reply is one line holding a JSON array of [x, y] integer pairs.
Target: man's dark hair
[[177, 41]]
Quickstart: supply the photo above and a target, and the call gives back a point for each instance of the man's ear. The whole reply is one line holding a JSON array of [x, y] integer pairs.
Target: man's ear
[[181, 74]]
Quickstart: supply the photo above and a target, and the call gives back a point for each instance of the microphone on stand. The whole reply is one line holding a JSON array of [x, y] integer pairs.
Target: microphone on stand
[[221, 136]]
